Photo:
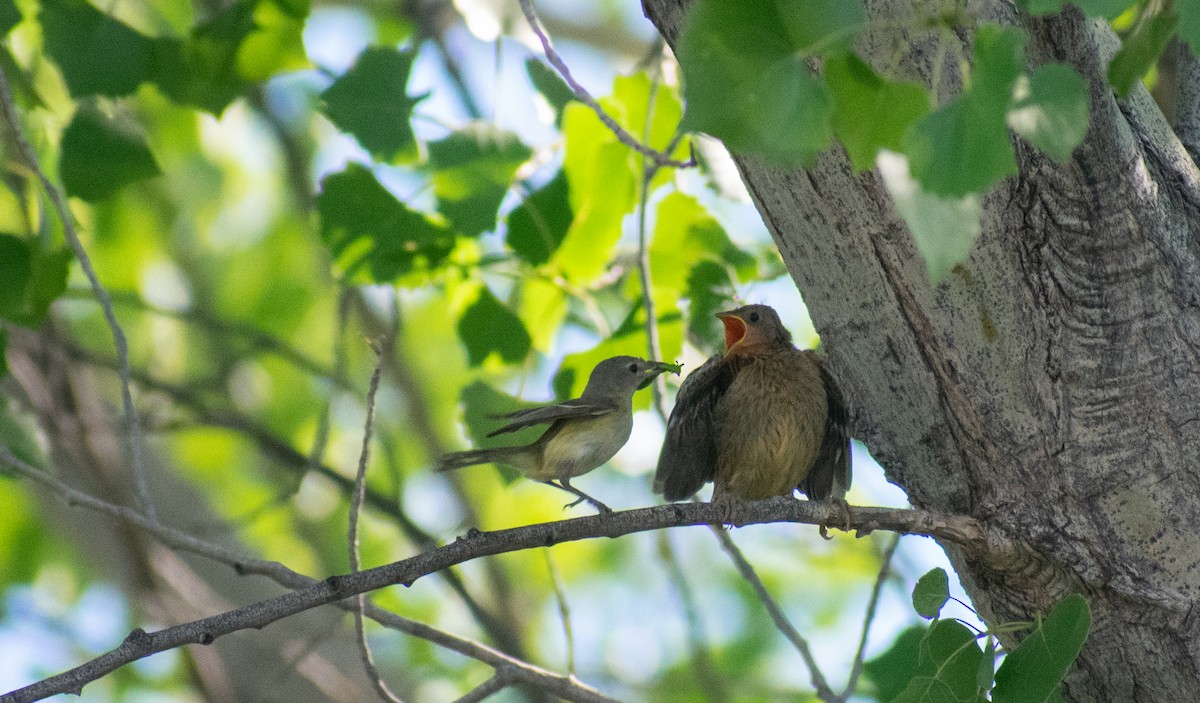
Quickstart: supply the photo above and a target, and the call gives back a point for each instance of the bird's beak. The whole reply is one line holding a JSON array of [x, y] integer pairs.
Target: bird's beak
[[735, 329], [655, 368]]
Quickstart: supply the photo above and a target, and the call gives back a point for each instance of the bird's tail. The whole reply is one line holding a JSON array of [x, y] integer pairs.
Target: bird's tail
[[512, 456]]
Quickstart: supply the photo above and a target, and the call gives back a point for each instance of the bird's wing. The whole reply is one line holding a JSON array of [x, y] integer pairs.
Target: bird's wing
[[578, 407], [830, 474], [689, 454]]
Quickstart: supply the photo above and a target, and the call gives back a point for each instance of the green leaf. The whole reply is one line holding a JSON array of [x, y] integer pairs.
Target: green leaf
[[277, 41], [892, 671], [9, 17], [1189, 24], [372, 236], [488, 326], [985, 677], [926, 689], [3, 355], [931, 593], [370, 102], [1034, 670], [201, 70], [16, 266], [1108, 9], [745, 83], [97, 54], [24, 91], [552, 87], [473, 169], [1050, 110], [48, 279], [950, 654], [869, 112], [709, 291], [603, 187], [537, 226], [944, 228], [964, 146], [100, 156], [816, 25], [1140, 51]]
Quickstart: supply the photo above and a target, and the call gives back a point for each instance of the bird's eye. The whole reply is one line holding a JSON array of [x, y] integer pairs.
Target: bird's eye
[[754, 317], [633, 368]]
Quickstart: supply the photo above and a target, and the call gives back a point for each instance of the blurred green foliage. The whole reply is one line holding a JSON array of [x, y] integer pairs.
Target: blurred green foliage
[[256, 216]]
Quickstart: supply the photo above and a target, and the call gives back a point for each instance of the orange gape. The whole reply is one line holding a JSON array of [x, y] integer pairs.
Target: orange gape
[[760, 420]]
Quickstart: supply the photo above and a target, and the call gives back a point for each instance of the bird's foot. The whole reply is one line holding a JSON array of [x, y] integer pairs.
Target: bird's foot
[[847, 522], [727, 506], [580, 496]]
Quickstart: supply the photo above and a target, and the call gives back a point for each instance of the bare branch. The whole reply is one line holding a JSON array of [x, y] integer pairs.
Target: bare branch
[[583, 96], [133, 428], [484, 690], [565, 687], [356, 502], [962, 530], [824, 692], [872, 604]]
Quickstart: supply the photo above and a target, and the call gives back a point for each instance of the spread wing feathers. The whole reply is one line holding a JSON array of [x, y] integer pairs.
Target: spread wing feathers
[[578, 407], [689, 454], [830, 475]]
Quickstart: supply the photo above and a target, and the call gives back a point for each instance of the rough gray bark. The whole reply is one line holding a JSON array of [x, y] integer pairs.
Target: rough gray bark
[[1050, 386]]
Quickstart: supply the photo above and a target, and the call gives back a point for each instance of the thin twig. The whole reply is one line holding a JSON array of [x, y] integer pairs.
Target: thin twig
[[711, 683], [564, 609], [658, 387], [824, 692], [382, 352], [869, 618], [583, 96], [565, 687], [133, 429], [493, 685]]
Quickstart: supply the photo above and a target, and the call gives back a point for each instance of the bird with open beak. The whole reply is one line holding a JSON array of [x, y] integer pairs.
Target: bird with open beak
[[760, 420], [584, 432]]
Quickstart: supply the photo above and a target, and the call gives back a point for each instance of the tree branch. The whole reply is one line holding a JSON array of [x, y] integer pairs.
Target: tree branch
[[964, 531], [519, 671], [583, 96], [133, 428]]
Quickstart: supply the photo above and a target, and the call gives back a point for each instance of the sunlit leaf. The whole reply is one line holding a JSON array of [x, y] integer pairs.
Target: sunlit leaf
[[944, 228], [370, 101], [373, 236], [537, 226], [603, 186], [100, 156], [473, 169], [931, 593], [487, 326], [964, 146], [276, 43], [1033, 671], [1050, 110], [1140, 51], [97, 54], [869, 112]]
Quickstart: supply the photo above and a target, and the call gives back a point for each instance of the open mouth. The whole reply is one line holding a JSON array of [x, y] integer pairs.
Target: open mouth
[[735, 328]]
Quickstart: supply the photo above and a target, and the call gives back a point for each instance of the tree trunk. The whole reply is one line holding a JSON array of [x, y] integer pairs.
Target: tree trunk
[[1049, 386]]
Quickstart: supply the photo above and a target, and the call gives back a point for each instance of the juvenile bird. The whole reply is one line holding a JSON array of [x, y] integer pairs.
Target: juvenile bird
[[760, 420], [584, 432]]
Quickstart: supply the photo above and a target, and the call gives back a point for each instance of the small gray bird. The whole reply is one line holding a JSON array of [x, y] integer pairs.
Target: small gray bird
[[760, 420], [584, 432]]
